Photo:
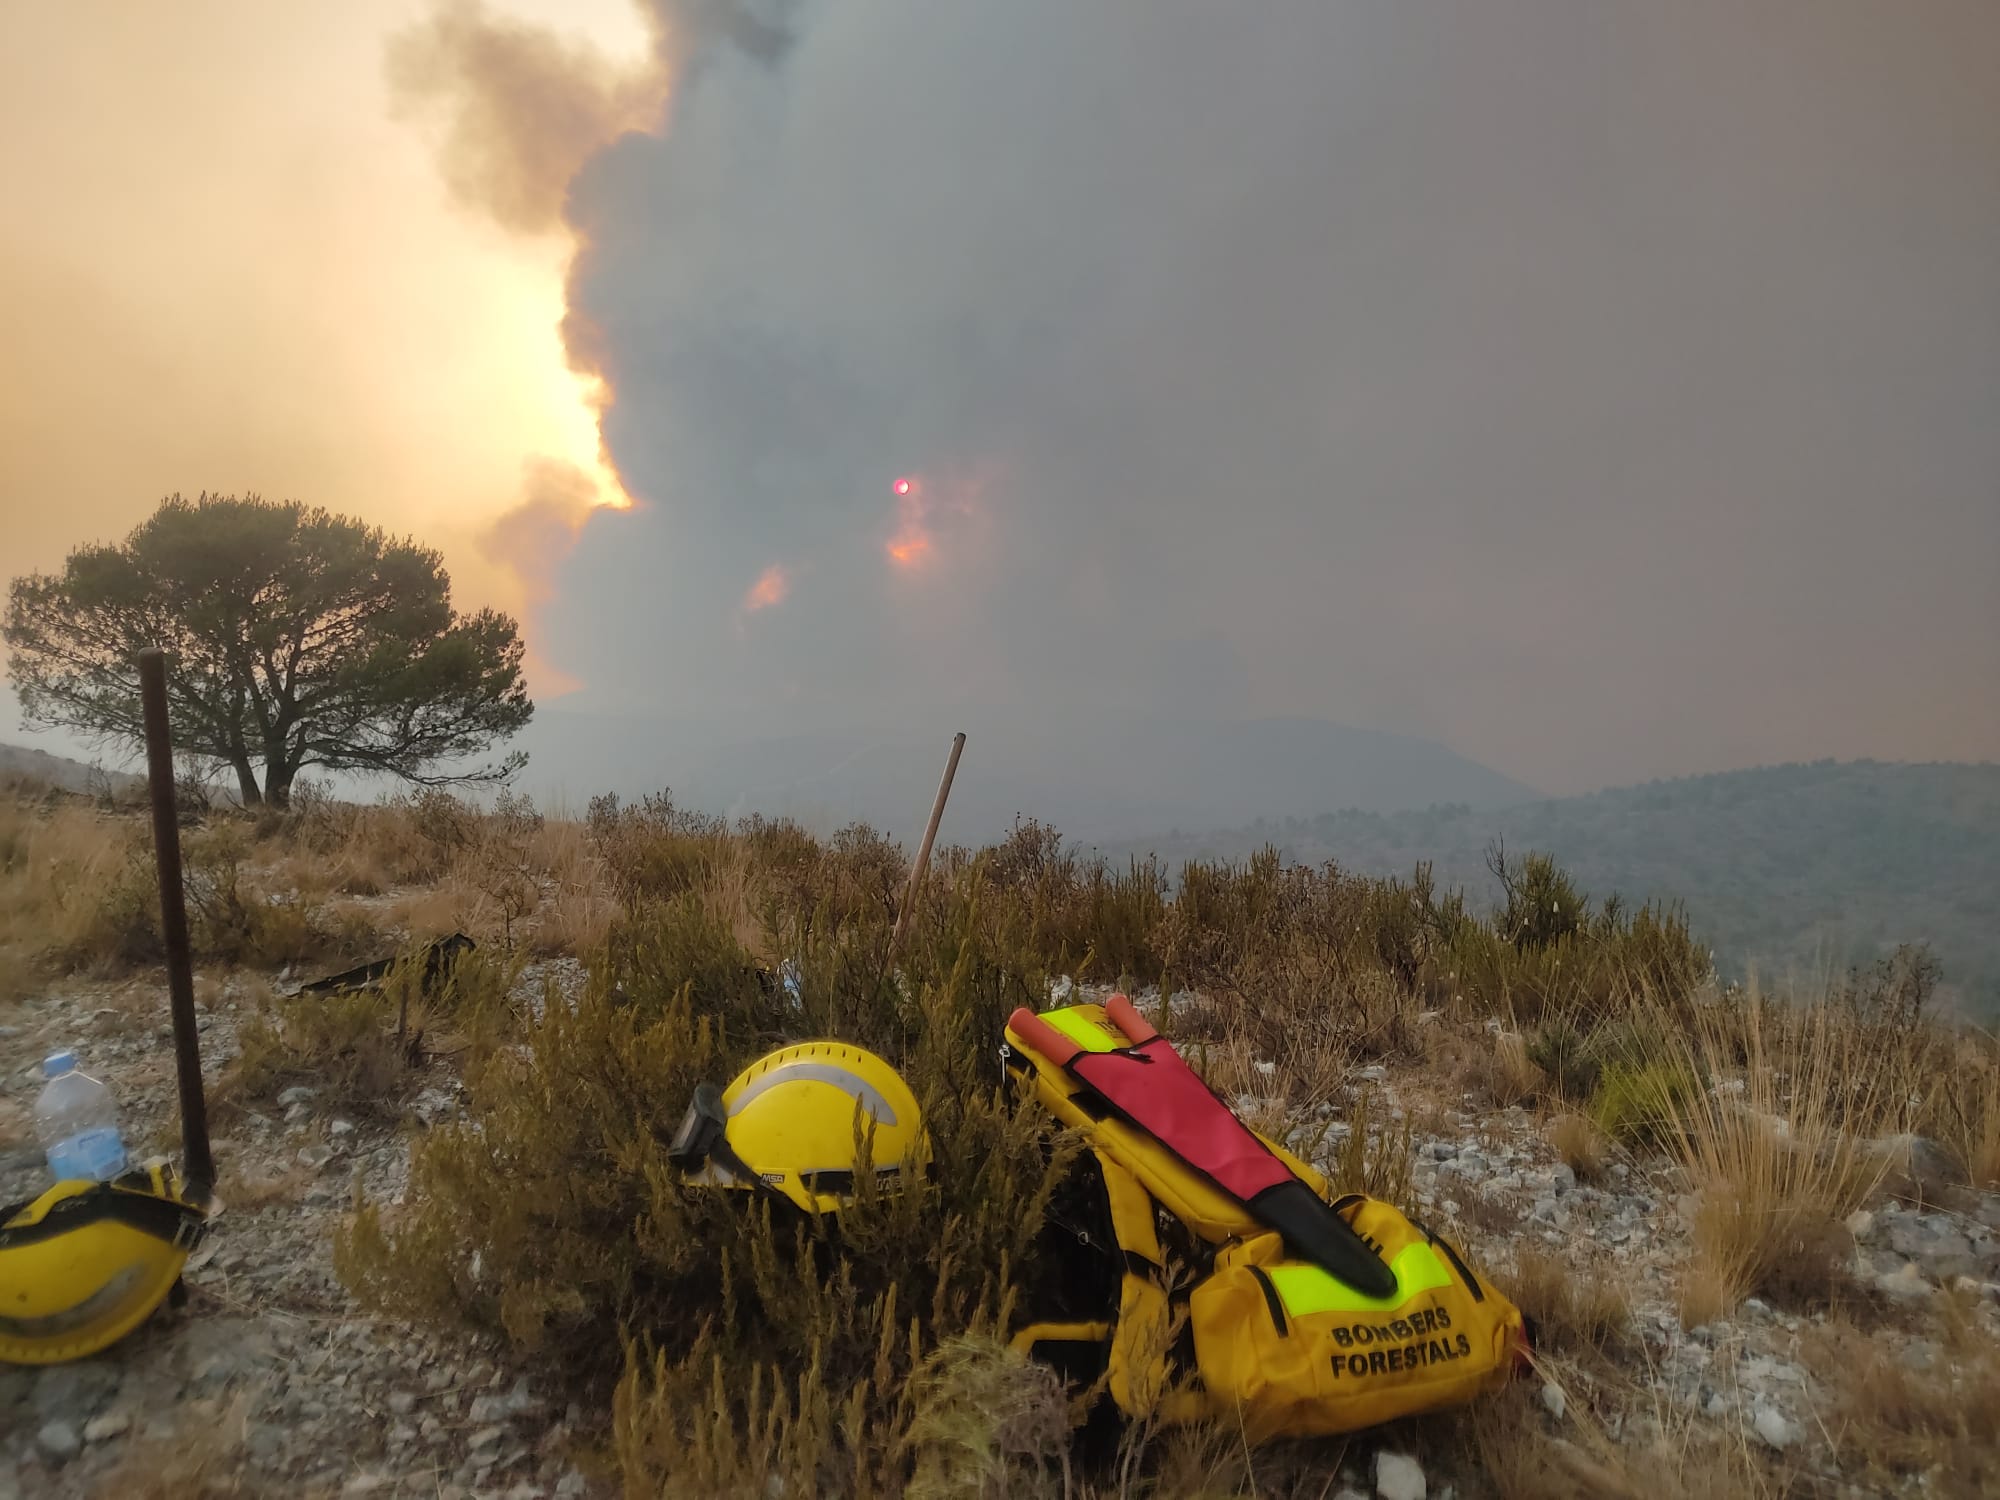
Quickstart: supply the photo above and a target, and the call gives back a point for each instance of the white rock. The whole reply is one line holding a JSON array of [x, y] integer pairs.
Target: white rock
[[1859, 1223], [1563, 1176], [59, 1441], [1554, 1401], [341, 1127], [1906, 1285], [298, 1093], [1773, 1428], [1375, 1073], [1399, 1477], [110, 1425], [367, 1482]]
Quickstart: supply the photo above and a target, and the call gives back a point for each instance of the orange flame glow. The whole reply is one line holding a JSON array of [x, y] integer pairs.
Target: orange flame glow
[[770, 589], [911, 546]]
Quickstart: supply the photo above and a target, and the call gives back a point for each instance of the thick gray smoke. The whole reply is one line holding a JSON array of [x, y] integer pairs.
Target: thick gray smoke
[[1607, 389]]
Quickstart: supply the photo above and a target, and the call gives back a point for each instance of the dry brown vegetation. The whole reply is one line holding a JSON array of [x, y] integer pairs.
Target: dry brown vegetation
[[1578, 1305], [551, 1216], [1930, 1416], [1580, 1144]]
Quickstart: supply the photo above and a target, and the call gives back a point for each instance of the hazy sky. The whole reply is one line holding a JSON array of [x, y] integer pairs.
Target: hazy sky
[[1609, 389], [228, 261]]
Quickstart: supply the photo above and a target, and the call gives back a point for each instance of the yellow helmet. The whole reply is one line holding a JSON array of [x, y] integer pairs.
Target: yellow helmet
[[87, 1262], [787, 1126]]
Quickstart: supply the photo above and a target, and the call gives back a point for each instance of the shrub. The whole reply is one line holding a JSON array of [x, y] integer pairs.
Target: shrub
[[365, 1051], [1643, 1103], [344, 1047], [553, 1216], [1563, 1053]]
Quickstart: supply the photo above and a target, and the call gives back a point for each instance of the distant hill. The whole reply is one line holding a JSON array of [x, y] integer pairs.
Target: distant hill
[[60, 770], [1095, 776], [1794, 869]]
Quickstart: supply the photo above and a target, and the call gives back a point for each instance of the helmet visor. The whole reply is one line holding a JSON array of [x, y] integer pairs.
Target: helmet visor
[[702, 1129]]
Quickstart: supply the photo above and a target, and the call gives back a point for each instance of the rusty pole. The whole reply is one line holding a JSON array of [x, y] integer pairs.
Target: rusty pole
[[923, 863], [198, 1165]]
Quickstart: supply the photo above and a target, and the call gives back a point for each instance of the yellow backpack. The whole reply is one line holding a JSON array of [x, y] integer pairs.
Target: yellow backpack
[[1304, 1317]]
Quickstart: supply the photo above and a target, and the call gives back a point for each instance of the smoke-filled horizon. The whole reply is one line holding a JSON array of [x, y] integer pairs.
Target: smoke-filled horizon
[[1606, 391]]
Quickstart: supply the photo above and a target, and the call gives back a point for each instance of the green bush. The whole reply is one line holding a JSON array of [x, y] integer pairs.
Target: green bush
[[1643, 1103], [1563, 1052]]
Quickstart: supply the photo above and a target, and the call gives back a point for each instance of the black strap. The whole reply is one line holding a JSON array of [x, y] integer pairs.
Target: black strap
[[178, 1224], [724, 1155]]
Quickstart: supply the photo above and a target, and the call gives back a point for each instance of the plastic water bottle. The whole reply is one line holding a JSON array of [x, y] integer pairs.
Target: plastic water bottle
[[77, 1120]]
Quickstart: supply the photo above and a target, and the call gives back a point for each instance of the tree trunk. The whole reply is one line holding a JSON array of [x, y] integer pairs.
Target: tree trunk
[[278, 776], [246, 782]]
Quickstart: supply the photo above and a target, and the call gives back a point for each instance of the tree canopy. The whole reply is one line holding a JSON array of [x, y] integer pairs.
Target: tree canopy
[[294, 637]]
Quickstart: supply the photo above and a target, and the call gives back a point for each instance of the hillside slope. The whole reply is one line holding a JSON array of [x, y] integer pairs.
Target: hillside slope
[[1097, 776], [1794, 867], [60, 770]]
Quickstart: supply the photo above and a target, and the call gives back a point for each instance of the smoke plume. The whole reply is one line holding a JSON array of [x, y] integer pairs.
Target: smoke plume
[[1605, 390]]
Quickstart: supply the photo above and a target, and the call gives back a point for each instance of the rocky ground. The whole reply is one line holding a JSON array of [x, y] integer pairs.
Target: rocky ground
[[270, 1373]]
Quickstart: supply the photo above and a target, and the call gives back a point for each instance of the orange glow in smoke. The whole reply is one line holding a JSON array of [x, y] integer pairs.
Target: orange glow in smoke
[[910, 547], [771, 587]]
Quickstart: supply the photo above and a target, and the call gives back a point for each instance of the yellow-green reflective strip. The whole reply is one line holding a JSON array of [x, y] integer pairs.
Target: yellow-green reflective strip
[[1092, 1033], [1307, 1289]]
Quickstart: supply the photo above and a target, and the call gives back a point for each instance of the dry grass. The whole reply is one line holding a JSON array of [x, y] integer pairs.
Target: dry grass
[[1512, 1078], [1666, 1454], [1374, 1158], [1776, 1152], [73, 884], [1580, 1144], [263, 1188], [1895, 1418], [204, 1461], [450, 905], [1493, 1067], [1963, 1110], [1578, 1305], [344, 1047]]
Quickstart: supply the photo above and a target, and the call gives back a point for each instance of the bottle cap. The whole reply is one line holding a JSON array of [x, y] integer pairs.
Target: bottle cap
[[58, 1063]]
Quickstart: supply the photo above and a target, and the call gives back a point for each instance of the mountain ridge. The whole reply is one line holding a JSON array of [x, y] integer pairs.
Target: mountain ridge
[[1806, 866]]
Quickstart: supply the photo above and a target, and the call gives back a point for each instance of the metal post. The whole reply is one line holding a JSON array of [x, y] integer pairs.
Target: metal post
[[198, 1165], [923, 864]]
